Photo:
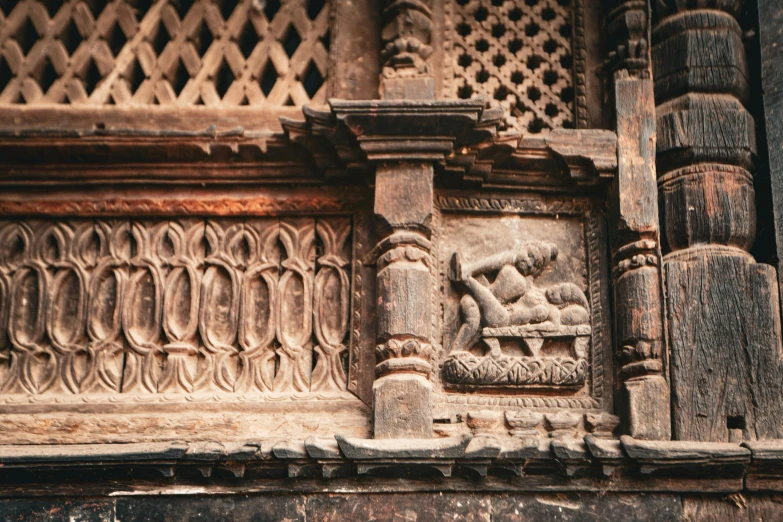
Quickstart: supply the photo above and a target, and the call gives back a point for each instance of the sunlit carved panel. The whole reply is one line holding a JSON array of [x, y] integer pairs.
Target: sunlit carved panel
[[187, 306], [522, 53], [169, 52], [523, 321]]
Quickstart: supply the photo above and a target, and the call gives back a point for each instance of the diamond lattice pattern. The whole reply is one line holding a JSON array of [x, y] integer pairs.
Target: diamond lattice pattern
[[518, 52], [164, 52]]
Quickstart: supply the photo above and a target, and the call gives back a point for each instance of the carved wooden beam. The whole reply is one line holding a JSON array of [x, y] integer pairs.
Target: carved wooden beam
[[723, 314]]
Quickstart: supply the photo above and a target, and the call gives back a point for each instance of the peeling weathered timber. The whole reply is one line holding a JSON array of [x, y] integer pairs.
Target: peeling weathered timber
[[722, 307], [771, 49], [398, 260]]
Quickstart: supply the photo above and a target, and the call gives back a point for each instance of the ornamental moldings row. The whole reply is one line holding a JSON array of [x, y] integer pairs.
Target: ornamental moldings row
[[522, 205]]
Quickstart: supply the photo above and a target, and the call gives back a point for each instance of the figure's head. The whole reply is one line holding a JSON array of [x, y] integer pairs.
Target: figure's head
[[533, 257]]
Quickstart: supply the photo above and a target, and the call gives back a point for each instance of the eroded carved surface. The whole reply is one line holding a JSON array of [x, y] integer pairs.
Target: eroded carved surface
[[523, 301], [183, 306], [510, 307]]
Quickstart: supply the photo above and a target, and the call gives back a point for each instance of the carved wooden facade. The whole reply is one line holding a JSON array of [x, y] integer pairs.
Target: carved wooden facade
[[510, 240]]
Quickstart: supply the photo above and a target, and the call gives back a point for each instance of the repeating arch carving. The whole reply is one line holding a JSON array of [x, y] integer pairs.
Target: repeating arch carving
[[187, 306]]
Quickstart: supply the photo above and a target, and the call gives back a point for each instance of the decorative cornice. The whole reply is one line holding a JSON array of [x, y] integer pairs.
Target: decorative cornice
[[353, 132], [562, 464], [561, 158], [342, 139], [459, 136]]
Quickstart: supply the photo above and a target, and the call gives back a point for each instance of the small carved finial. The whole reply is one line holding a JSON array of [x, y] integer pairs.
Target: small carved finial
[[602, 425], [524, 423], [562, 425], [484, 422]]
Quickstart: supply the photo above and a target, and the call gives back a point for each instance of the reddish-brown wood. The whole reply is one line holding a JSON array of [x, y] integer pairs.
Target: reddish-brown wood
[[487, 246]]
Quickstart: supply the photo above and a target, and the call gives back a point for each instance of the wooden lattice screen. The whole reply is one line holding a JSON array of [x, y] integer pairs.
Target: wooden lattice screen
[[522, 54], [167, 52]]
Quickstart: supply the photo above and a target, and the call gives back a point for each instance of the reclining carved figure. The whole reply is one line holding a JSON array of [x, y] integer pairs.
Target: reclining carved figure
[[512, 299]]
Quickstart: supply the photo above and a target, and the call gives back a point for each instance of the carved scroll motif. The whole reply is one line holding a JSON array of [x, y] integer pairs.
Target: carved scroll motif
[[175, 307], [181, 248], [501, 303], [256, 329], [142, 311]]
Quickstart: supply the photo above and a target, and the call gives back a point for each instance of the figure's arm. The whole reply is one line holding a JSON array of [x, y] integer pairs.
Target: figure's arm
[[528, 258], [462, 271]]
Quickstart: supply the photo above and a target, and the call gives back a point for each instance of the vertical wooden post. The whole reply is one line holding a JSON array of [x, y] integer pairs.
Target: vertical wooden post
[[645, 396], [722, 307], [402, 390], [403, 207]]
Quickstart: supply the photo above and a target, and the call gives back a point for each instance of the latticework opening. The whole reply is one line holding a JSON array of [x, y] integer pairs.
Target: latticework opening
[[166, 52], [519, 53]]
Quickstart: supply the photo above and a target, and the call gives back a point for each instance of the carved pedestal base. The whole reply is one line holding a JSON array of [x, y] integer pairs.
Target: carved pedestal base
[[406, 410]]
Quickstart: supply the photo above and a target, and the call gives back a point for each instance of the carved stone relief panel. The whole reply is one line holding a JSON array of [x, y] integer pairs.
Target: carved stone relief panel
[[523, 293], [91, 307]]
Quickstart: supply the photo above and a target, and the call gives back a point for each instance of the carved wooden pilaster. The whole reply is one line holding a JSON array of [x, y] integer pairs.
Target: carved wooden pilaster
[[404, 140], [634, 225], [402, 390], [723, 317]]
